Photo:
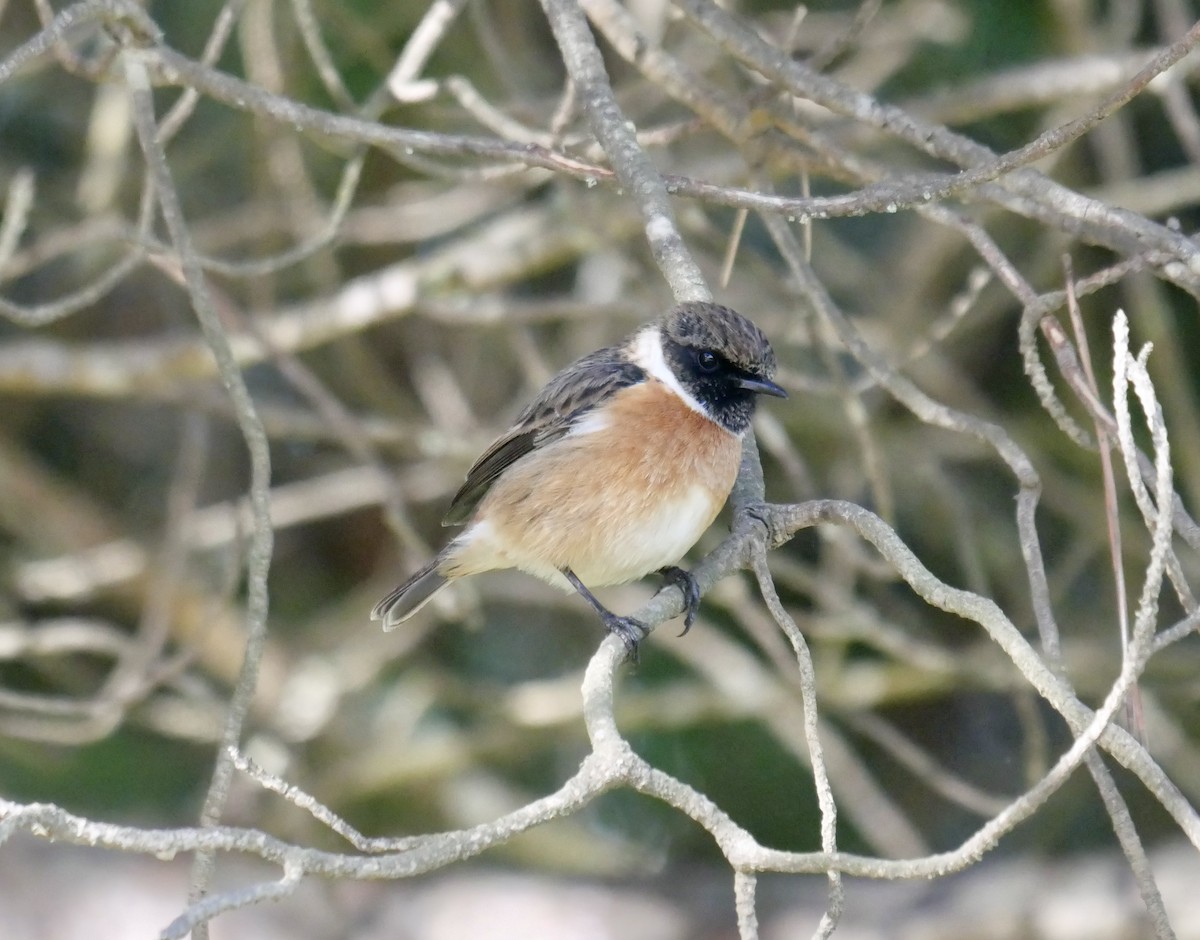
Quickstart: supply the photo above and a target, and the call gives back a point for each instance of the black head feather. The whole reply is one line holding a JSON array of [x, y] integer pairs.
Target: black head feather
[[721, 358]]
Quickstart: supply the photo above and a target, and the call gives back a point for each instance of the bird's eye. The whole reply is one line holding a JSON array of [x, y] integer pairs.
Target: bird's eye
[[707, 360]]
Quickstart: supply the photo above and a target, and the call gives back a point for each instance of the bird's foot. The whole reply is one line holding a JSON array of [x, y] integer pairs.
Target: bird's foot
[[631, 632], [677, 577], [759, 513]]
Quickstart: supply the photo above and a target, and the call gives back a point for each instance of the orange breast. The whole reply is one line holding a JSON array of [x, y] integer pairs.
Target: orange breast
[[613, 504]]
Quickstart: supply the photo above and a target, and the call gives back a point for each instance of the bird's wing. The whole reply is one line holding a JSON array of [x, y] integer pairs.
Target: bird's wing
[[566, 398]]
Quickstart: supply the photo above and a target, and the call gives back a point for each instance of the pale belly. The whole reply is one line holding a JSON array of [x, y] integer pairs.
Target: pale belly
[[665, 477], [610, 551], [656, 539], [610, 547]]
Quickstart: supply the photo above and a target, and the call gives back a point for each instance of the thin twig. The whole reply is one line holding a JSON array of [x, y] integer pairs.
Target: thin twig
[[262, 535]]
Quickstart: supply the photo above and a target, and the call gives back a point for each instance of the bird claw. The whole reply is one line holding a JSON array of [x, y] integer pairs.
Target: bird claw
[[760, 513], [677, 577], [631, 632]]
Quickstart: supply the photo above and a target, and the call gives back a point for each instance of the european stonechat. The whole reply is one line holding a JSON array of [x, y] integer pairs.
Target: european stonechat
[[615, 469]]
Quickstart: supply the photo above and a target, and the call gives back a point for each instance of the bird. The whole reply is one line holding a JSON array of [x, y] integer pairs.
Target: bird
[[614, 470]]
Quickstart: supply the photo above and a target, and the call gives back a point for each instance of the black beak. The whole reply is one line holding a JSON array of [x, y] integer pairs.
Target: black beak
[[760, 386]]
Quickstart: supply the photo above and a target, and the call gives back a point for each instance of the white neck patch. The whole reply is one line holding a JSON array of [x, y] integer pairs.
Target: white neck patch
[[647, 352]]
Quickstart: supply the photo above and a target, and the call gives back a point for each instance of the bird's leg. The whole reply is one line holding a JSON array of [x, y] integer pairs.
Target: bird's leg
[[629, 630], [690, 590]]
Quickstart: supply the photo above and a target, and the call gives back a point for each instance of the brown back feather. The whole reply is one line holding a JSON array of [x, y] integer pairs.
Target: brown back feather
[[571, 394]]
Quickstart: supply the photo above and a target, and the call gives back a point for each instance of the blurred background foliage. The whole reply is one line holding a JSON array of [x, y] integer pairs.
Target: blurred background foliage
[[473, 709]]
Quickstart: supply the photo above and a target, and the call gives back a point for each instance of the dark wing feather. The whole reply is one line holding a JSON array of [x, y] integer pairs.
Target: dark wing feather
[[568, 396]]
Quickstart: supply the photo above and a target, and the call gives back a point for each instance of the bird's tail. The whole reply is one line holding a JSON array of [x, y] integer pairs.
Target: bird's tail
[[410, 596]]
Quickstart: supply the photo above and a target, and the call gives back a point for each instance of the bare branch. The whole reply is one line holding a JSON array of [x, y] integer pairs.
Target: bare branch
[[355, 243]]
